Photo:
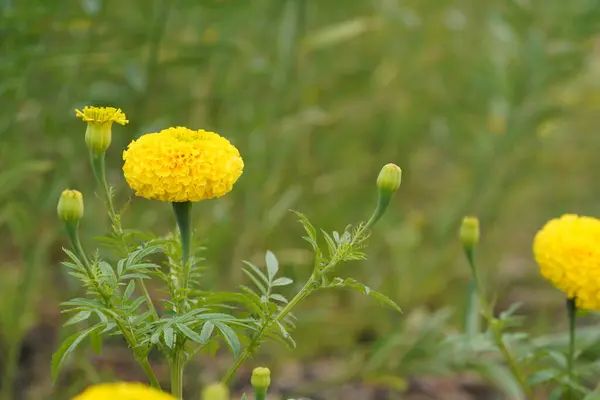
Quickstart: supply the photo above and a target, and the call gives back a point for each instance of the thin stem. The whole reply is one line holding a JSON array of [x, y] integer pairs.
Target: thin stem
[[247, 352], [183, 216], [572, 313], [496, 330], [177, 375], [149, 372]]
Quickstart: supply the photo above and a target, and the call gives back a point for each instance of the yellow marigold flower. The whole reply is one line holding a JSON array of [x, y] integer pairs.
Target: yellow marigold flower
[[99, 129], [567, 250], [122, 391], [179, 164]]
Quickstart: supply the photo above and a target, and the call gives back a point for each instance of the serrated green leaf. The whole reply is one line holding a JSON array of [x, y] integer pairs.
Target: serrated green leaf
[[189, 333], [257, 283], [272, 264], [80, 316], [66, 348], [257, 271], [278, 297], [206, 332], [230, 337], [129, 290], [169, 337], [282, 282]]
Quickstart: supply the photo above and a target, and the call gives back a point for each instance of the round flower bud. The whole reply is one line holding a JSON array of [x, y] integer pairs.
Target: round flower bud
[[389, 178], [469, 232], [261, 378], [216, 391], [98, 134], [70, 206]]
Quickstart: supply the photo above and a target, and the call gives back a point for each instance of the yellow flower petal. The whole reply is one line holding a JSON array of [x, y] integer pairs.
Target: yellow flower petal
[[179, 164], [567, 249], [102, 115], [122, 391]]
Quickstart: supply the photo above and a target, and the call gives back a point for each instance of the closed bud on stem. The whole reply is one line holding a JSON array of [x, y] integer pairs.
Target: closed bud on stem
[[469, 232], [388, 182], [70, 206], [389, 178], [260, 380], [98, 138], [98, 134], [216, 391]]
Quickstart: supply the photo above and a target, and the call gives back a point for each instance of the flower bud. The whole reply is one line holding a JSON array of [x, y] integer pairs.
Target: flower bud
[[98, 137], [70, 206], [98, 134], [216, 391], [469, 232], [261, 378], [389, 178]]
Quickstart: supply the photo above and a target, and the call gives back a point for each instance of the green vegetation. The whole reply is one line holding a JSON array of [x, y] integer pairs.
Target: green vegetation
[[490, 108]]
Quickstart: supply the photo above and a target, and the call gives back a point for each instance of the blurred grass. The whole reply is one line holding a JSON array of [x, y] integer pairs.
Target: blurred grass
[[491, 108]]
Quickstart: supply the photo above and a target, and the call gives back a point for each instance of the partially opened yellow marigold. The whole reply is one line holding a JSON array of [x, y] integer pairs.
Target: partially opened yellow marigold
[[180, 164], [567, 250], [122, 391]]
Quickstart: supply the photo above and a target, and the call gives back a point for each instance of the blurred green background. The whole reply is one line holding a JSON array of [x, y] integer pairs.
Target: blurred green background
[[490, 107]]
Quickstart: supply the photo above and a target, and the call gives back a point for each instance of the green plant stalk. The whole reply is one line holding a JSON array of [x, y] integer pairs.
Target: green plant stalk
[[182, 212], [99, 168], [572, 313], [260, 394], [71, 228], [496, 331]]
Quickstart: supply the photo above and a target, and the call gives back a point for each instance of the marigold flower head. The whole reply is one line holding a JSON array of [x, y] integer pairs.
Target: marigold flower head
[[567, 250], [179, 164], [122, 391], [99, 129]]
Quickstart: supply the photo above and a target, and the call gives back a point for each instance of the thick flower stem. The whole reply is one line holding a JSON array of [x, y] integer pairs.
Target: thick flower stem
[[177, 375], [572, 313], [183, 216]]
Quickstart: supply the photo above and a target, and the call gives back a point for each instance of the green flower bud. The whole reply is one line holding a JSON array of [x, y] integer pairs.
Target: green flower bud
[[70, 206], [216, 391], [98, 134], [261, 378], [389, 178], [98, 137], [469, 232]]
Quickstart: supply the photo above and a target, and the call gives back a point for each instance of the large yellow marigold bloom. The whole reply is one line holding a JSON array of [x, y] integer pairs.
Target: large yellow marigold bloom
[[179, 164], [567, 250], [122, 391]]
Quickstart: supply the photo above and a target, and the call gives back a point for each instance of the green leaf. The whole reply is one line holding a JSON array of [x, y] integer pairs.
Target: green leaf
[[169, 337], [282, 282], [96, 342], [206, 332], [352, 284], [257, 271], [66, 348], [80, 316], [272, 264], [278, 297], [259, 285], [189, 333], [230, 337], [129, 290]]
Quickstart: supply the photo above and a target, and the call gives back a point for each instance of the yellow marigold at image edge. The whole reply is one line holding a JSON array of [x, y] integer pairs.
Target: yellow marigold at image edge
[[567, 250], [102, 115], [122, 391], [180, 164]]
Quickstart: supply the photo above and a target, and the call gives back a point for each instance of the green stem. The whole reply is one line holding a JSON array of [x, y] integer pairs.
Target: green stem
[[572, 313], [247, 352], [260, 394], [99, 168], [183, 216], [496, 330], [143, 361], [177, 375]]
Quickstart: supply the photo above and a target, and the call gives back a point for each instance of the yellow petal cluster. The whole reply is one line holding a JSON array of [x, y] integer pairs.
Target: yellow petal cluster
[[122, 391], [102, 115], [567, 249], [179, 164]]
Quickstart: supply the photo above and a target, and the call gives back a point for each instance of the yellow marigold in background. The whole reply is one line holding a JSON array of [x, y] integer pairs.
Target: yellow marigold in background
[[122, 391], [179, 164], [567, 250]]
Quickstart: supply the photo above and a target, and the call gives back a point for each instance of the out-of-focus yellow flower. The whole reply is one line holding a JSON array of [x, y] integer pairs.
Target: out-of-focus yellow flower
[[469, 232], [122, 391], [98, 134], [179, 164], [567, 250], [216, 391]]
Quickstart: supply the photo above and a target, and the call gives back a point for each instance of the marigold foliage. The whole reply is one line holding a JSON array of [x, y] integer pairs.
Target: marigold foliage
[[179, 164], [567, 250], [102, 115], [122, 391]]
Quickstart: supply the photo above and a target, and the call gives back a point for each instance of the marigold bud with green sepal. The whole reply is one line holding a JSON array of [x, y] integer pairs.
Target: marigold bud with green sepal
[[469, 232], [389, 178], [216, 391], [261, 379], [70, 206], [98, 134]]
